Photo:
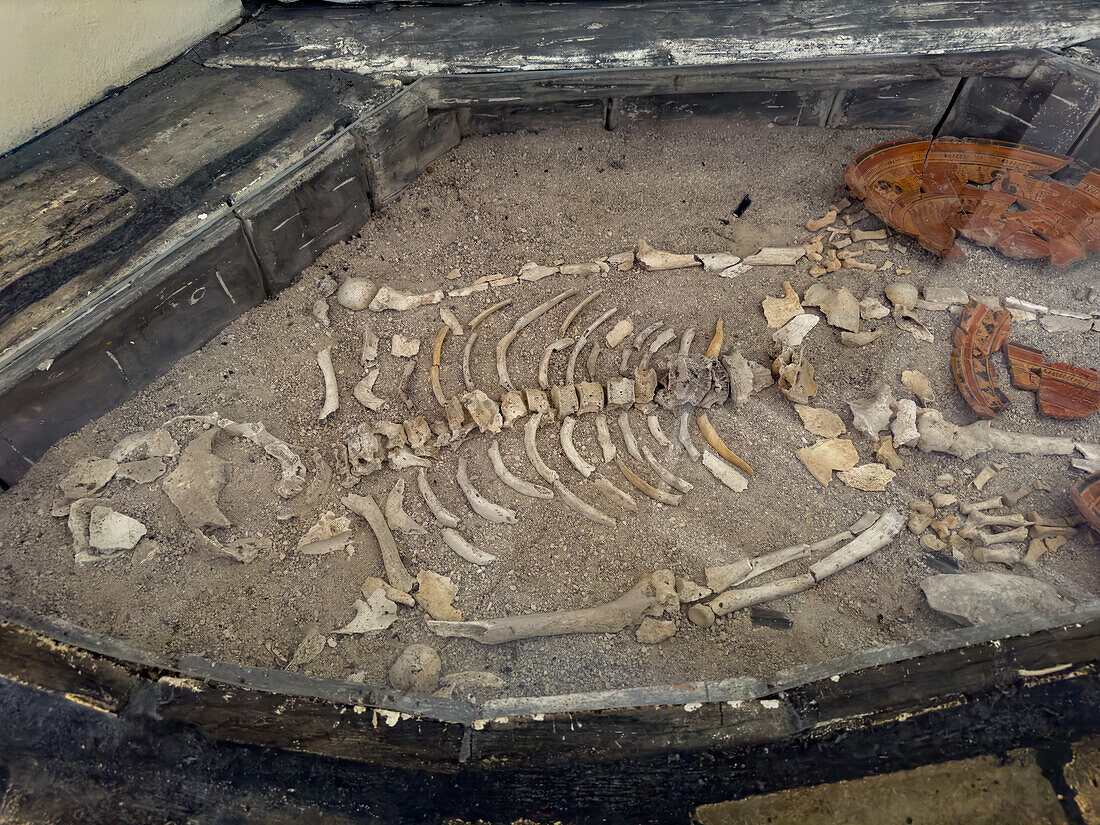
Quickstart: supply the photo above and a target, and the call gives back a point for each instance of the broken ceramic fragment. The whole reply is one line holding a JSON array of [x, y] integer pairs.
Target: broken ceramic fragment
[[980, 333]]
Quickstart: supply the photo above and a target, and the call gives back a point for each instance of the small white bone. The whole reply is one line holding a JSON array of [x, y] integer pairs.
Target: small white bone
[[603, 436], [332, 393], [990, 539], [521, 486], [544, 362], [581, 506], [628, 436], [565, 435], [978, 506], [667, 476], [655, 430], [457, 542], [396, 517], [725, 472], [620, 497], [530, 428], [364, 392], [685, 438]]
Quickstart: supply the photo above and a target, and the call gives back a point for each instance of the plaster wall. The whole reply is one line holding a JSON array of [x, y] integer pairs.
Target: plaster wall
[[58, 56]]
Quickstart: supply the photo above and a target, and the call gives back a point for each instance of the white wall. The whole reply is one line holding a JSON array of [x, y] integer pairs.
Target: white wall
[[57, 56]]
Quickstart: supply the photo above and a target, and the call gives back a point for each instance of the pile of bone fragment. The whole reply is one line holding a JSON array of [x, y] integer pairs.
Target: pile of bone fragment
[[656, 369]]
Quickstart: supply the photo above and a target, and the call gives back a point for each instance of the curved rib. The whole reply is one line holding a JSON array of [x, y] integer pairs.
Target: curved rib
[[521, 486], [529, 430], [643, 486], [603, 435], [656, 431], [637, 343], [565, 435], [577, 310], [623, 499], [714, 348], [544, 362], [667, 476], [437, 356], [479, 319], [582, 507], [571, 367], [441, 513], [714, 440], [593, 360], [458, 542], [488, 510], [628, 436], [467, 376], [684, 437], [521, 322]]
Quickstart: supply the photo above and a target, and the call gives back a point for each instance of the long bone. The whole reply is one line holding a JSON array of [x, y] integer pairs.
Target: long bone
[[544, 362], [571, 366], [367, 507], [725, 576], [650, 596], [478, 320], [656, 431], [396, 517], [441, 513], [332, 392], [643, 486], [577, 310], [565, 435], [628, 436], [521, 486], [581, 506], [725, 472], [523, 321], [667, 476], [488, 510], [530, 428], [459, 543], [603, 436]]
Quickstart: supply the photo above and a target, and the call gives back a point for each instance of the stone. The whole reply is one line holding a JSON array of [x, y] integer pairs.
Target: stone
[[356, 293], [87, 476], [110, 530], [868, 477], [654, 631], [988, 597], [416, 670]]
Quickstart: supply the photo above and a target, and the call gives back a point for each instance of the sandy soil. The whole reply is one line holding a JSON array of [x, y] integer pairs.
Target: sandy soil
[[496, 202]]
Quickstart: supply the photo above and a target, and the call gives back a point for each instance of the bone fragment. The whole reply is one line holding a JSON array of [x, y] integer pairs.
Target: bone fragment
[[684, 437], [194, 485], [821, 223], [437, 355], [467, 291], [661, 340], [656, 260], [724, 472], [529, 430], [725, 576], [488, 510], [457, 542], [441, 513], [979, 518], [989, 539], [364, 392], [329, 534], [512, 407], [620, 497], [978, 506], [141, 445], [918, 384], [532, 272], [776, 256], [467, 351], [332, 393], [940, 435], [294, 471], [997, 555], [628, 436], [618, 333], [396, 517], [479, 319], [435, 594], [643, 486], [451, 321], [374, 614], [366, 507], [603, 436], [388, 298], [983, 477], [863, 522], [571, 366], [521, 486], [700, 615], [593, 364], [715, 441], [686, 340], [402, 346], [651, 595], [820, 422], [581, 506], [868, 477], [523, 321], [875, 537], [484, 411], [733, 600], [667, 476], [655, 430], [904, 427], [565, 435], [577, 310]]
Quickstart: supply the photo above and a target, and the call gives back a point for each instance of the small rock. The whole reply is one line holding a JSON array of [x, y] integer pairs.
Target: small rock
[[945, 480], [416, 670], [987, 597], [109, 530], [145, 444], [403, 347], [653, 631]]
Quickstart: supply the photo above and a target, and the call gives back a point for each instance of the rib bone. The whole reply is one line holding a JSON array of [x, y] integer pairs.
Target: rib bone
[[582, 507], [628, 436], [521, 322], [620, 497], [437, 355], [457, 542], [655, 430], [577, 310], [488, 510], [667, 476], [441, 513], [603, 435], [396, 517], [714, 440], [521, 486], [529, 430], [571, 367], [565, 435], [544, 362], [684, 438], [643, 486]]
